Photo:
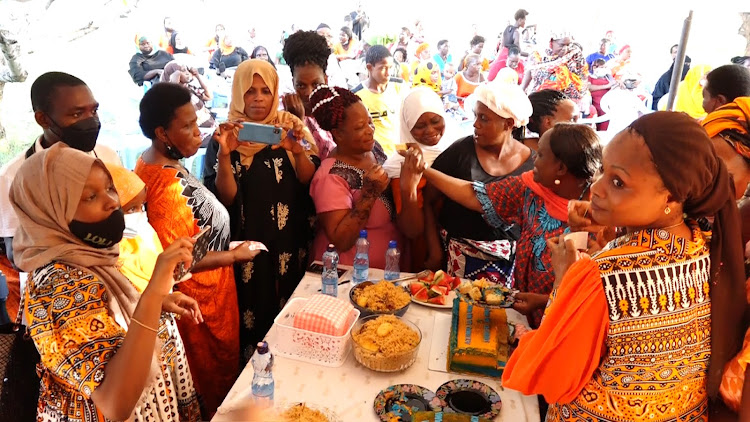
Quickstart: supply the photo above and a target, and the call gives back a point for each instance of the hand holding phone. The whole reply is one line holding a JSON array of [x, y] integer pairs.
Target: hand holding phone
[[260, 133]]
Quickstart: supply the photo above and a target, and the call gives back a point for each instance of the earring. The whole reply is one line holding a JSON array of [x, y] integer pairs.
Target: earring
[[667, 210], [557, 181]]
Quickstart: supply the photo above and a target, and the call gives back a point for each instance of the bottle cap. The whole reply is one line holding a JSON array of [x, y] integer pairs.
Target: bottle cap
[[363, 233], [262, 348], [331, 247], [392, 244]]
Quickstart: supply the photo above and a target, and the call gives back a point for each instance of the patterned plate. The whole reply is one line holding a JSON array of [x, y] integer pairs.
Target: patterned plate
[[470, 398], [401, 401]]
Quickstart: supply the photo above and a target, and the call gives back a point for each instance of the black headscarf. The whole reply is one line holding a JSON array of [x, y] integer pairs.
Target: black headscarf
[[665, 81], [696, 177]]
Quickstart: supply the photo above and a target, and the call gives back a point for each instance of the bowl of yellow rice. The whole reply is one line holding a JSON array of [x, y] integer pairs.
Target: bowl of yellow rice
[[385, 343]]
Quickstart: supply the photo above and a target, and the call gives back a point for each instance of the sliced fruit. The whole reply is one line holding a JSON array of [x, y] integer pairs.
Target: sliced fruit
[[444, 282], [440, 290], [438, 300], [415, 287], [421, 295], [438, 275], [428, 279], [456, 282]]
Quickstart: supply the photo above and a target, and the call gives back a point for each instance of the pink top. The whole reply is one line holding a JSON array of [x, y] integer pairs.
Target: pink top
[[336, 186]]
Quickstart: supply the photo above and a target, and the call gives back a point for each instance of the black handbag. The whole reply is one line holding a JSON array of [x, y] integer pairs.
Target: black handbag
[[19, 390]]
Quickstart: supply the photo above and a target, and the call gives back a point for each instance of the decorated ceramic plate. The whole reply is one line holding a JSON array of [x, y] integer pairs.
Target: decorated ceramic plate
[[402, 401], [470, 398]]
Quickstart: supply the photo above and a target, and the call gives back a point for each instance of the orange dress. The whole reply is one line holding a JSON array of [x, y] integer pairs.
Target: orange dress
[[180, 206], [464, 87], [734, 371], [627, 336], [14, 287]]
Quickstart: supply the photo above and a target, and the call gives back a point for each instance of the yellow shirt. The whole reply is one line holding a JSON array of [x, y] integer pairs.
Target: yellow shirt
[[384, 109], [138, 258]]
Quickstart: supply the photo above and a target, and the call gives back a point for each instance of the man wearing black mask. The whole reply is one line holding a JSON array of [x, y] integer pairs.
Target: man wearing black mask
[[66, 110]]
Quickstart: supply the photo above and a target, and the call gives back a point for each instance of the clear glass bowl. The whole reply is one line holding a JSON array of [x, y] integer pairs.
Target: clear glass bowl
[[378, 362]]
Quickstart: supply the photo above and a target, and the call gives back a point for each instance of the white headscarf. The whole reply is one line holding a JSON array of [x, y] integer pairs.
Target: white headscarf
[[419, 101], [505, 100]]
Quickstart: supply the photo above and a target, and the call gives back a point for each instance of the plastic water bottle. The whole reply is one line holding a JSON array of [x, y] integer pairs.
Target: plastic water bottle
[[330, 275], [262, 385], [361, 259], [392, 258]]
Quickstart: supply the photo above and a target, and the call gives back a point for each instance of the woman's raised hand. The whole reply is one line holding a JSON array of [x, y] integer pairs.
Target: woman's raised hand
[[375, 181], [293, 104], [226, 136], [413, 167], [579, 217], [162, 279]]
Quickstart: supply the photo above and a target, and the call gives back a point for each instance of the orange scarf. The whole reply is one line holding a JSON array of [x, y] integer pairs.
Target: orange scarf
[[732, 116], [557, 206]]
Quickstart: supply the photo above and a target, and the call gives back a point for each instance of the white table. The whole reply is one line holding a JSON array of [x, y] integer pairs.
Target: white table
[[350, 390]]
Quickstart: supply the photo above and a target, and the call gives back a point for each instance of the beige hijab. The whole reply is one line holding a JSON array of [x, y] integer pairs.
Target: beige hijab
[[243, 80], [45, 195]]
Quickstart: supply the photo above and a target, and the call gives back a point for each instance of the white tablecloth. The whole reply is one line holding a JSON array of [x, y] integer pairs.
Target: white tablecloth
[[350, 390]]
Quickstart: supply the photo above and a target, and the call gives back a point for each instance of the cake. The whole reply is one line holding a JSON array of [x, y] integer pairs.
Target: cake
[[479, 339], [445, 417]]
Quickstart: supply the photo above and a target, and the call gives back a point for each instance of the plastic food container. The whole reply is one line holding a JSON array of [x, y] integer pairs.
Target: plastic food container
[[378, 362], [307, 346]]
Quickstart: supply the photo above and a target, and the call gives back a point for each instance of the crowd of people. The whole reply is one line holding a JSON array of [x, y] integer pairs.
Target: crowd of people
[[647, 323]]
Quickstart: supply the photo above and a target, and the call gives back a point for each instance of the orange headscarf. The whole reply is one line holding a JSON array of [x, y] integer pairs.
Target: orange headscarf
[[733, 116], [127, 183]]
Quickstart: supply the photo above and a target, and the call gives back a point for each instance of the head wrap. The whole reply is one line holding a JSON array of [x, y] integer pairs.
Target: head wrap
[[243, 80], [690, 92], [507, 75], [422, 47], [624, 47], [423, 75], [419, 101], [695, 176], [45, 195], [170, 69], [127, 183], [505, 100], [559, 33]]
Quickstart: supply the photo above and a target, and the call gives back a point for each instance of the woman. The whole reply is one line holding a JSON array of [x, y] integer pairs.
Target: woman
[[690, 93], [347, 48], [400, 69], [177, 45], [307, 54], [180, 206], [473, 248], [227, 55], [423, 125], [652, 318], [350, 189], [261, 53], [107, 352], [620, 65], [536, 202], [427, 73], [469, 78], [200, 93], [266, 191], [550, 107], [562, 67]]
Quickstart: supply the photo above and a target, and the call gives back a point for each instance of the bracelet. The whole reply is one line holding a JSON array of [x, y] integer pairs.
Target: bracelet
[[143, 325]]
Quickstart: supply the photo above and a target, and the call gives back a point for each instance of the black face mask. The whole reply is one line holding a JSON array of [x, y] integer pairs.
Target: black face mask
[[103, 234], [81, 135], [173, 152]]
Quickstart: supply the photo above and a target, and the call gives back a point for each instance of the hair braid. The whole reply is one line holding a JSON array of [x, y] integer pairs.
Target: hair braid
[[329, 103]]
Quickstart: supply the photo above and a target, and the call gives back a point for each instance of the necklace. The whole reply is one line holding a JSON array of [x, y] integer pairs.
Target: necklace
[[672, 226]]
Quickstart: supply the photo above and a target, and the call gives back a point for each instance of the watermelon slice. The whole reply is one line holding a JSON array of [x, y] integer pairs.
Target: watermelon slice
[[415, 287], [455, 282], [444, 282], [438, 300], [440, 290], [428, 279], [421, 295]]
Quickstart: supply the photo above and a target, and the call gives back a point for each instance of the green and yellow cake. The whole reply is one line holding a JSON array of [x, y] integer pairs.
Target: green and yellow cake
[[479, 339]]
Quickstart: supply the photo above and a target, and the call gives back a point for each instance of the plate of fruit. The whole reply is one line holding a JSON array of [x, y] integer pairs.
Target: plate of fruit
[[435, 290]]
